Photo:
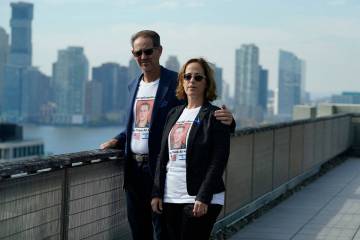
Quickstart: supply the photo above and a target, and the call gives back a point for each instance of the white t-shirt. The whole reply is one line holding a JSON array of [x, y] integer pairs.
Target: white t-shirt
[[175, 184], [143, 108]]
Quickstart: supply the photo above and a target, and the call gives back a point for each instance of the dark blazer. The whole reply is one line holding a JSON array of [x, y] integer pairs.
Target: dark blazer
[[207, 154], [165, 100]]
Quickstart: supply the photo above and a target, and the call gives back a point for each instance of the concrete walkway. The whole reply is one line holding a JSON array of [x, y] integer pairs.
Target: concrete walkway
[[328, 209]]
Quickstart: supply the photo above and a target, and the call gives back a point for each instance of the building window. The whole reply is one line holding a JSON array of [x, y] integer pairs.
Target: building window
[[28, 151], [22, 151], [15, 152], [6, 153]]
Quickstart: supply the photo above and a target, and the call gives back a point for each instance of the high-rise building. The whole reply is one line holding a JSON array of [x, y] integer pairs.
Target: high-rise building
[[290, 76], [4, 53], [114, 81], [14, 147], [34, 82], [122, 96], [226, 96], [134, 70], [263, 89], [346, 98], [70, 73], [21, 45], [218, 75], [12, 93], [304, 94], [271, 103], [172, 63], [20, 57], [247, 84], [93, 102]]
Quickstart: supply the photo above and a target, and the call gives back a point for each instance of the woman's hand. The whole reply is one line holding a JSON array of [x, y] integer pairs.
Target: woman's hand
[[200, 209], [156, 205]]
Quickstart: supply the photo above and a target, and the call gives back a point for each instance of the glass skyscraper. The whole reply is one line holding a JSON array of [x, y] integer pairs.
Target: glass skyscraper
[[290, 76], [263, 89], [70, 73], [247, 84], [114, 81], [4, 53], [134, 70], [20, 58], [21, 45]]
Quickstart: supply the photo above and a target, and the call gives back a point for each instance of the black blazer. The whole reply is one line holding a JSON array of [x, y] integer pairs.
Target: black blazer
[[207, 154]]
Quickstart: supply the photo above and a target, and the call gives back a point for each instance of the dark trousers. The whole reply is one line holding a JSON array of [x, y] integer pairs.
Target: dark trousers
[[141, 218], [182, 225]]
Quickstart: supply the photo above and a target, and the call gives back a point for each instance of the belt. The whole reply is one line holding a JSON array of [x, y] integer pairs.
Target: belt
[[140, 157]]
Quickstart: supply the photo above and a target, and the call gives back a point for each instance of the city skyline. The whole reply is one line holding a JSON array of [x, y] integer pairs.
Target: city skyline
[[324, 33]]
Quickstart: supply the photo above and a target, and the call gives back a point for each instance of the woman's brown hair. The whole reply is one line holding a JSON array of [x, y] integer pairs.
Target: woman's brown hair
[[210, 91]]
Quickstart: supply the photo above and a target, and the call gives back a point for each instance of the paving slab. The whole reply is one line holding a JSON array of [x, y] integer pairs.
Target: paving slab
[[326, 209]]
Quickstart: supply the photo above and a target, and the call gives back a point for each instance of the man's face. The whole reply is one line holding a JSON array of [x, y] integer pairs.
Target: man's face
[[144, 109], [146, 62], [178, 134]]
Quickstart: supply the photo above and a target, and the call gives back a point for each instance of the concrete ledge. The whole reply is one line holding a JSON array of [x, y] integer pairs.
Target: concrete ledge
[[9, 168]]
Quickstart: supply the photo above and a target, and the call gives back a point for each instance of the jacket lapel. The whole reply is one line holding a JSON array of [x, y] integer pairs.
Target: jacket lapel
[[133, 88], [160, 94], [196, 126]]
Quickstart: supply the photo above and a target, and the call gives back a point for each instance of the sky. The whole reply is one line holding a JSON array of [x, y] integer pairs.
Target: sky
[[324, 33]]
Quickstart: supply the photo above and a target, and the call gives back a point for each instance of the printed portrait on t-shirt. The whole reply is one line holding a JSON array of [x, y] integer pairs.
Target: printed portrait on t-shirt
[[143, 113], [178, 136]]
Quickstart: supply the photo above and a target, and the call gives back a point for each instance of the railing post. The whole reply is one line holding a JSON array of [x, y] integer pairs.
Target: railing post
[[65, 206]]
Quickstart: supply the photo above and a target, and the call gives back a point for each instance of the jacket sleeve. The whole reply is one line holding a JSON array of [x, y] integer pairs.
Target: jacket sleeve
[[220, 149], [121, 137]]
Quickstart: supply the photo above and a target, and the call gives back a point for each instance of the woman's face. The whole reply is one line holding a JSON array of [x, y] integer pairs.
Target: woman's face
[[196, 85]]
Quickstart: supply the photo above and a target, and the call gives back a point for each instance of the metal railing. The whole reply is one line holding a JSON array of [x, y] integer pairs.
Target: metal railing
[[80, 196]]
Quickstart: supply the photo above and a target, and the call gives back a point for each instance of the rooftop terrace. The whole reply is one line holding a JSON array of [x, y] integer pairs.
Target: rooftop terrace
[[79, 196], [328, 209]]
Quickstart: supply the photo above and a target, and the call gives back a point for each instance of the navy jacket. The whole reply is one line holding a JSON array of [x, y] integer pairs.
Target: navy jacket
[[165, 100], [208, 148]]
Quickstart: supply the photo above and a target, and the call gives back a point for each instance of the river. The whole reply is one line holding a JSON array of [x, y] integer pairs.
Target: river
[[59, 140]]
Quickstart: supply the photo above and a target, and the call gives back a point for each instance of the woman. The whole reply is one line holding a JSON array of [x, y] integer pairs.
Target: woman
[[189, 180]]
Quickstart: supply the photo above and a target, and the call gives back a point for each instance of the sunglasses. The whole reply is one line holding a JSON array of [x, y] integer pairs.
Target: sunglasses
[[147, 52], [197, 78]]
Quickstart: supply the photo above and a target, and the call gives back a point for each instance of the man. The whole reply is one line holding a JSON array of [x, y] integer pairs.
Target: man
[[142, 146]]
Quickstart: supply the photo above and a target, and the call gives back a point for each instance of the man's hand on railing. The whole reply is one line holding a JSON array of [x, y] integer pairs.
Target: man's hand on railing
[[109, 144]]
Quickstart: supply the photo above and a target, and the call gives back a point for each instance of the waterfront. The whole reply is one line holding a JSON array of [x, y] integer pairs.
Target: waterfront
[[59, 140]]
